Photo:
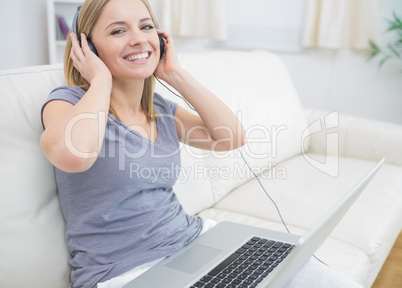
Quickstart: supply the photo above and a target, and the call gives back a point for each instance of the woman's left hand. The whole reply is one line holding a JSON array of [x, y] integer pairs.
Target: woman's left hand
[[215, 127], [169, 62]]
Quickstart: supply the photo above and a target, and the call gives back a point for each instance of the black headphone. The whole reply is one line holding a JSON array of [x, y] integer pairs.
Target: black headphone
[[92, 46]]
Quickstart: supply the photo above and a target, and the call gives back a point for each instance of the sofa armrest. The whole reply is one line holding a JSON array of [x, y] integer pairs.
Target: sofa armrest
[[357, 137]]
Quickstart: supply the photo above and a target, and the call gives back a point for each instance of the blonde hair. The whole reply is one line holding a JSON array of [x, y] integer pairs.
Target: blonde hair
[[89, 14]]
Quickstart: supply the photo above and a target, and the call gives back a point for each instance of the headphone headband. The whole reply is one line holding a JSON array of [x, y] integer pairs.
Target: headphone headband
[[74, 28]]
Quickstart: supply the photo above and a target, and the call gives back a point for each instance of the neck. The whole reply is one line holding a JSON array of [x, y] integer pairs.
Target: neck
[[126, 96]]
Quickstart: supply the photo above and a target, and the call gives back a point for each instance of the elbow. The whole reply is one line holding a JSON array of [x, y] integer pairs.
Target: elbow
[[73, 164], [66, 159], [229, 145], [241, 141]]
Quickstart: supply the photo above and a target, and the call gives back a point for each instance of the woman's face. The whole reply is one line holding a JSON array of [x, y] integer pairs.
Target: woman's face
[[126, 39]]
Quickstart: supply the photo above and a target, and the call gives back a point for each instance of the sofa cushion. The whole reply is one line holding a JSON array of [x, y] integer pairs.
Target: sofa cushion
[[32, 245]]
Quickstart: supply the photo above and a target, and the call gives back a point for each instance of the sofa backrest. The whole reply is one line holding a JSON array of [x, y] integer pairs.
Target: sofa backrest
[[32, 246], [255, 86]]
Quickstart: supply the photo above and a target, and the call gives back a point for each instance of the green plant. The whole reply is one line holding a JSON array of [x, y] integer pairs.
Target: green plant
[[394, 48]]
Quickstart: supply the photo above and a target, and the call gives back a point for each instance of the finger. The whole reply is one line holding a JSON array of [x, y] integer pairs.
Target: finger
[[74, 57], [74, 39], [84, 44], [159, 31], [75, 49], [164, 34]]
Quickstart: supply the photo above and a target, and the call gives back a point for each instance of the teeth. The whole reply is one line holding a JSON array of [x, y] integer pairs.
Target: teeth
[[138, 57]]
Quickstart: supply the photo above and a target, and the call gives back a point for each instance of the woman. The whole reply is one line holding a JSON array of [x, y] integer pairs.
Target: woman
[[107, 125]]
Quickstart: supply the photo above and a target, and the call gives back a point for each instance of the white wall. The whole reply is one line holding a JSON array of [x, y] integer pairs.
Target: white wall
[[330, 80], [23, 33], [344, 81], [336, 79]]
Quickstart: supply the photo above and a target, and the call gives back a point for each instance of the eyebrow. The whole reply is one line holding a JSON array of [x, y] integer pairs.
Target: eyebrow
[[125, 23]]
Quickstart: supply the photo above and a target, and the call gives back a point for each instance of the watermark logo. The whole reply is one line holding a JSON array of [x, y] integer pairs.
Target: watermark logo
[[330, 165], [263, 143]]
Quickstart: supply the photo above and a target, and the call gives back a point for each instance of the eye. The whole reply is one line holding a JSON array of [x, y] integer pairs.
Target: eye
[[117, 31], [147, 27]]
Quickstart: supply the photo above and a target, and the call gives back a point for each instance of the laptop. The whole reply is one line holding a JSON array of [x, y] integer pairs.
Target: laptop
[[237, 255]]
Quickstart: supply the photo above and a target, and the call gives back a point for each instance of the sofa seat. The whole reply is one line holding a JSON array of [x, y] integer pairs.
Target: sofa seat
[[303, 200]]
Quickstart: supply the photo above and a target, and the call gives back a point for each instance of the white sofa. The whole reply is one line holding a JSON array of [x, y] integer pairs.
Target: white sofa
[[306, 160]]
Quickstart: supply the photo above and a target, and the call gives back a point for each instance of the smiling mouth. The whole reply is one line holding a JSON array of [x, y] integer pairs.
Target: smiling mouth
[[138, 57]]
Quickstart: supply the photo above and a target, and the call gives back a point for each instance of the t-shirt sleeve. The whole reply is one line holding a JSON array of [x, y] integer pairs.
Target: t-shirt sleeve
[[64, 93], [165, 105]]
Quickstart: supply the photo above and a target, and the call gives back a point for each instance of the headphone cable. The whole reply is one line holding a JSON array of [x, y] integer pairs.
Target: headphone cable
[[174, 93], [266, 193], [272, 200]]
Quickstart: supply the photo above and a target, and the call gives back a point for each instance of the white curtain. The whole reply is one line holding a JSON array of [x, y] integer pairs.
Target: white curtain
[[337, 24], [192, 18]]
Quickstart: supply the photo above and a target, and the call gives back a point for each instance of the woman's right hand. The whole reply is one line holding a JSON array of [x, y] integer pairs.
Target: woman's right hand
[[86, 61], [73, 136]]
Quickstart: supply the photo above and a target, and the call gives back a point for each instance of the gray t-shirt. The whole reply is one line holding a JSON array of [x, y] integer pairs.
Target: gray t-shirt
[[122, 212]]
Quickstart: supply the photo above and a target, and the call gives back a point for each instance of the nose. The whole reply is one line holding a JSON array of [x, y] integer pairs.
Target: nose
[[137, 38]]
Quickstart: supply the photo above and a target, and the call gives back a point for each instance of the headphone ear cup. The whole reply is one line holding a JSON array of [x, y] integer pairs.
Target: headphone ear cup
[[92, 47], [161, 45]]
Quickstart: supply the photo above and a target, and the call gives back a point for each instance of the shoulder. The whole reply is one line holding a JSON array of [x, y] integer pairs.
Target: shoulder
[[163, 105], [70, 94]]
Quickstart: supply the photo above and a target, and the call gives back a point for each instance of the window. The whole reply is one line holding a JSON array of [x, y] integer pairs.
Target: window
[[264, 24]]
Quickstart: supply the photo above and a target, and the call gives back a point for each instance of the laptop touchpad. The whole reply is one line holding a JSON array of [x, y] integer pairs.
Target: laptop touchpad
[[193, 259]]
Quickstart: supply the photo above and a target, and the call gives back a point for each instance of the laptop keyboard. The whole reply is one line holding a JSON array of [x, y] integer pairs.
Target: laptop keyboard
[[248, 266]]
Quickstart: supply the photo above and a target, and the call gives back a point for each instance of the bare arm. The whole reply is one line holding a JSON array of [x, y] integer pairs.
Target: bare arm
[[215, 127], [73, 133]]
